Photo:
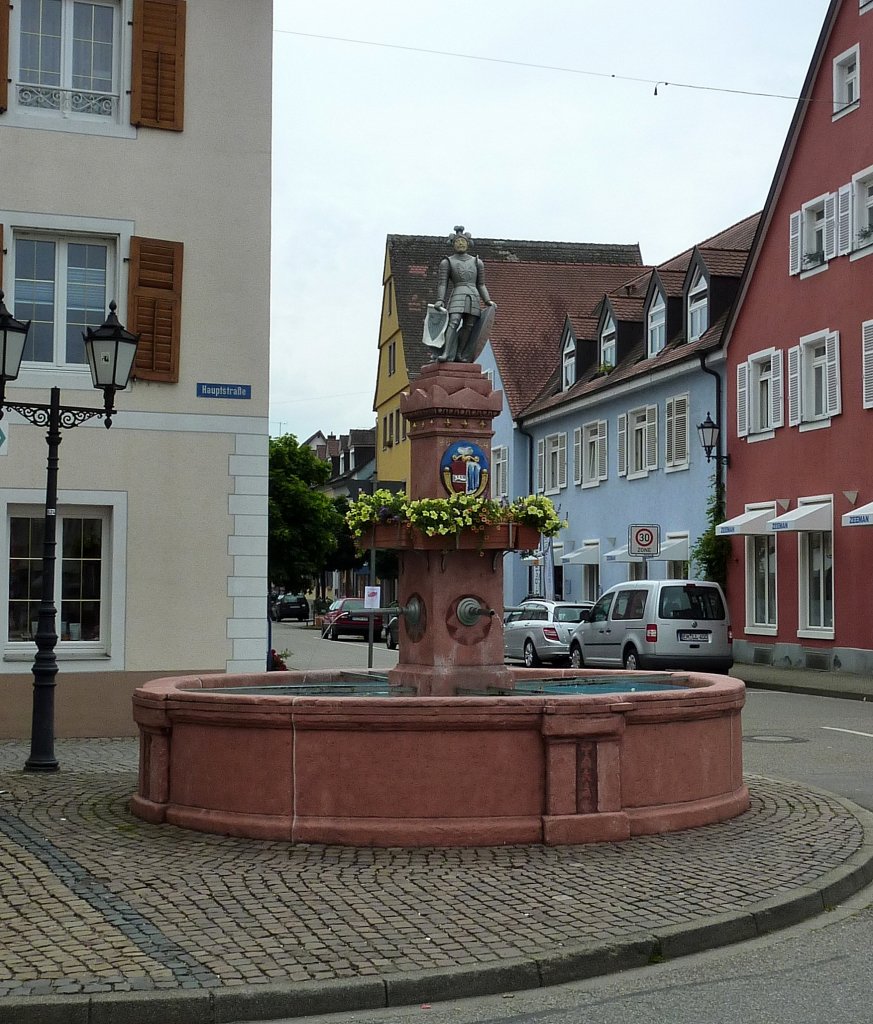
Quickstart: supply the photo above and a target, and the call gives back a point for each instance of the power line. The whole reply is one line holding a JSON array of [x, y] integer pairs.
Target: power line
[[655, 82]]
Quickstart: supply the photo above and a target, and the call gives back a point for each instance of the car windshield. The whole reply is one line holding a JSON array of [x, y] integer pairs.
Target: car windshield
[[571, 613], [354, 602], [689, 602]]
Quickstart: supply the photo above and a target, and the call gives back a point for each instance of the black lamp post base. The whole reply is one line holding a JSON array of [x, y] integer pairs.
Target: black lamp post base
[[44, 767]]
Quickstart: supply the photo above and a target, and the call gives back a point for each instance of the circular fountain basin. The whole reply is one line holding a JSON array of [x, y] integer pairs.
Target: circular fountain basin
[[333, 757]]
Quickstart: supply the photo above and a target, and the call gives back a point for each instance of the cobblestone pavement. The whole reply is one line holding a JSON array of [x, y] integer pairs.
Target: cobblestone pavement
[[93, 900]]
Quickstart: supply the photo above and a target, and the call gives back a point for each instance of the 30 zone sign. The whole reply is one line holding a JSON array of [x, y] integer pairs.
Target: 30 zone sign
[[644, 541]]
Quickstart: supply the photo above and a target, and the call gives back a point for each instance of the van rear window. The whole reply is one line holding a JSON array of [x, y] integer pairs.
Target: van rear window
[[687, 602]]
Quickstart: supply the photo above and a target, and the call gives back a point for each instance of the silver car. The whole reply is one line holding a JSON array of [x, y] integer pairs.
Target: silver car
[[540, 630], [656, 624]]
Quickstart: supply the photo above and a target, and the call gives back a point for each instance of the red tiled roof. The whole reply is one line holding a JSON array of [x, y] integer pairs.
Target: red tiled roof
[[724, 262]]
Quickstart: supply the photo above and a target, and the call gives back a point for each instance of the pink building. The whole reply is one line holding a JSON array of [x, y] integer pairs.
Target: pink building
[[799, 377]]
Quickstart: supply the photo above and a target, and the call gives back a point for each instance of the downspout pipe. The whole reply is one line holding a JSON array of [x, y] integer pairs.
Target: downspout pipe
[[719, 461]]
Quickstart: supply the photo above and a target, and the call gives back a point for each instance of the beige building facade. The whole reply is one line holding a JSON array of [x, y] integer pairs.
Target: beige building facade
[[135, 159]]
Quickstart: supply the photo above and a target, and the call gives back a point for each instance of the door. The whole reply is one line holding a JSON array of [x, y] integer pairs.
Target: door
[[595, 633]]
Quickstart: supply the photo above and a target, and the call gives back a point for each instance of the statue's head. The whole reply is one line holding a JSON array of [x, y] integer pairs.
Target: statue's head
[[461, 240]]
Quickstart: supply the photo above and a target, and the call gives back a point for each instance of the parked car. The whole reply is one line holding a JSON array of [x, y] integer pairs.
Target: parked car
[[345, 618], [540, 630], [291, 606], [391, 630], [656, 624]]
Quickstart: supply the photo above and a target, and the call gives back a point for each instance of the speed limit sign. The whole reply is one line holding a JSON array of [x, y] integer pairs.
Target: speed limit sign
[[644, 540]]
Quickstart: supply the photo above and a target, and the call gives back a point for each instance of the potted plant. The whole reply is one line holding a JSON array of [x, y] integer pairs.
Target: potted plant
[[813, 259]]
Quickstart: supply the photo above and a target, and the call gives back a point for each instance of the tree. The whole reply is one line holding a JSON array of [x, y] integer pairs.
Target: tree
[[711, 552], [304, 522]]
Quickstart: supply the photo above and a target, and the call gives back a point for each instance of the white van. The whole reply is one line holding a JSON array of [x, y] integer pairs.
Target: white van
[[656, 624]]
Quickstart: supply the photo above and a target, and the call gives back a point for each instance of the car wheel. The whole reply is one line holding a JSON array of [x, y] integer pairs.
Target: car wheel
[[334, 633], [576, 659], [531, 658], [632, 660]]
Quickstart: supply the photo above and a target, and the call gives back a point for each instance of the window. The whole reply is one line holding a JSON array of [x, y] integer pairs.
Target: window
[[62, 284], [490, 376], [590, 582], [386, 437], [552, 463], [568, 375], [638, 442], [676, 433], [761, 582], [847, 81], [93, 66], [392, 358], [814, 378], [82, 579], [760, 393], [816, 582], [500, 464], [698, 306], [590, 463], [813, 234], [608, 344], [397, 426], [657, 324]]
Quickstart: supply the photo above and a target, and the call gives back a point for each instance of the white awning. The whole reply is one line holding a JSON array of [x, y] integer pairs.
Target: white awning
[[804, 518], [754, 522], [621, 555], [862, 516], [588, 554], [674, 549]]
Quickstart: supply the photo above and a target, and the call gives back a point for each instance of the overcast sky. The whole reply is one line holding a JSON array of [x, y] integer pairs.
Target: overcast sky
[[374, 140]]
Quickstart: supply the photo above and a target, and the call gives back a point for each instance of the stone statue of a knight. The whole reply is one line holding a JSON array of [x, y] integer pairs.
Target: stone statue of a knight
[[466, 329]]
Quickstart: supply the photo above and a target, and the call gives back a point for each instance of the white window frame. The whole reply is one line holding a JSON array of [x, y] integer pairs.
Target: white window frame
[[856, 221], [805, 630], [65, 120], [697, 305], [117, 233], [677, 437], [763, 368], [554, 463], [591, 454], [608, 342], [568, 363], [769, 628], [656, 324], [813, 235], [805, 372], [642, 441], [500, 467], [108, 654], [847, 81]]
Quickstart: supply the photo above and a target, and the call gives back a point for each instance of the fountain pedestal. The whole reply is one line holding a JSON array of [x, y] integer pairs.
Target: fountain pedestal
[[451, 406]]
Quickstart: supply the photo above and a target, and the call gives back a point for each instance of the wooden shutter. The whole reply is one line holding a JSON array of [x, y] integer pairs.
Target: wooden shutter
[[154, 307], [844, 219], [562, 460], [4, 56], [622, 444], [794, 243], [794, 409], [832, 360], [742, 399], [541, 466], [867, 363], [777, 389], [651, 437], [157, 95], [577, 455], [830, 225], [602, 451], [676, 433]]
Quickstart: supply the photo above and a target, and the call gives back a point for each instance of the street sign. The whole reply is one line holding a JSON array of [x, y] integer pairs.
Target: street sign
[[644, 541]]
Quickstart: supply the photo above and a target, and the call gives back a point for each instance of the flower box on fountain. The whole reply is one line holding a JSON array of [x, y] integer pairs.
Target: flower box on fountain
[[394, 521]]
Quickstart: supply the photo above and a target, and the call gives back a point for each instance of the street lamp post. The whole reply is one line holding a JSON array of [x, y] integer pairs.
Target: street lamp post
[[110, 350]]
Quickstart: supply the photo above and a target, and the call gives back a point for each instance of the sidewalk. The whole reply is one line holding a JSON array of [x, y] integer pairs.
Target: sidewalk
[[799, 680], [107, 920]]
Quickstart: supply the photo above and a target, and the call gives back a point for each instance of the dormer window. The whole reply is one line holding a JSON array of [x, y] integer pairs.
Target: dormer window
[[607, 344], [568, 363], [656, 325], [698, 306]]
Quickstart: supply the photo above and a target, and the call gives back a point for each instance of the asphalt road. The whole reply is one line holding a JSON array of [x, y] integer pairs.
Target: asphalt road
[[814, 973]]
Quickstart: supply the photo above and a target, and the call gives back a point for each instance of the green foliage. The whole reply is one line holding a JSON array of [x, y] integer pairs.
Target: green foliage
[[448, 516], [304, 523], [711, 553]]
